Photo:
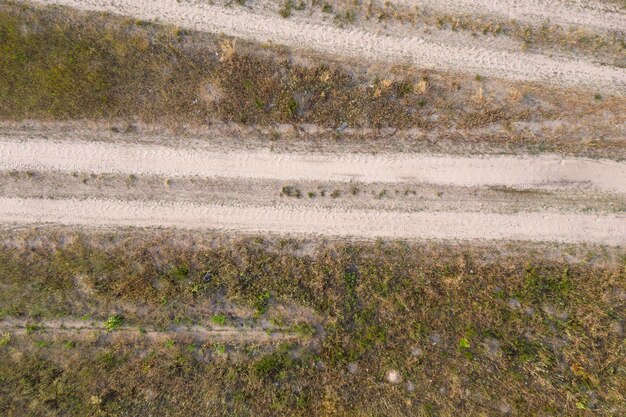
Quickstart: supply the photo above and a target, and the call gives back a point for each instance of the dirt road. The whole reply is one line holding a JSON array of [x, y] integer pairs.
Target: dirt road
[[546, 171], [229, 201], [360, 44], [570, 228]]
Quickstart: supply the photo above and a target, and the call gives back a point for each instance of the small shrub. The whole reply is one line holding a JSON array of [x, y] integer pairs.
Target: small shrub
[[219, 319], [285, 9], [5, 339], [270, 366], [113, 322], [262, 303], [290, 191]]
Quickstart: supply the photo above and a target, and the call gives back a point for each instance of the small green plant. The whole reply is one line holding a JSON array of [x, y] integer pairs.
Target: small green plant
[[220, 349], [464, 343], [290, 191], [169, 343], [336, 193], [32, 328], [5, 338], [327, 8], [302, 329], [113, 322], [219, 319], [262, 303], [179, 271], [597, 97], [271, 366], [285, 9], [311, 194]]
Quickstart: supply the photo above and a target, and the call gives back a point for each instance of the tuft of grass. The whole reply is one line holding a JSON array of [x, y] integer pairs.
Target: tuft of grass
[[285, 9], [219, 319], [113, 322]]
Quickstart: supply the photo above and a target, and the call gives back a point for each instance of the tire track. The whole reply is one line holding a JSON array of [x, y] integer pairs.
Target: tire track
[[547, 171], [363, 45], [369, 224]]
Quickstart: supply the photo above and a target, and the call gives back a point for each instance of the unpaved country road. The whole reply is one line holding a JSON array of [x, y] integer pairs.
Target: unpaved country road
[[550, 172], [326, 38], [569, 12], [569, 228]]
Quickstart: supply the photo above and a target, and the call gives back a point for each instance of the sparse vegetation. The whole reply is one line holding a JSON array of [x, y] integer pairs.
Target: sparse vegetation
[[219, 319], [113, 322], [379, 303], [113, 68]]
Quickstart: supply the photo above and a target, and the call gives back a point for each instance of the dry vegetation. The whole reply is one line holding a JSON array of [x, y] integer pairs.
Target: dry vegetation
[[470, 330], [59, 65]]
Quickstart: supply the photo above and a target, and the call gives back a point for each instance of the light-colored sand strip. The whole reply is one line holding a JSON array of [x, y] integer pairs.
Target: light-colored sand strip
[[586, 13], [213, 333], [521, 172], [363, 45], [570, 228]]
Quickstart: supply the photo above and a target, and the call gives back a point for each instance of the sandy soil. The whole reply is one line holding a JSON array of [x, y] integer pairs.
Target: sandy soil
[[361, 44], [76, 328], [387, 195], [317, 194], [607, 229], [538, 172]]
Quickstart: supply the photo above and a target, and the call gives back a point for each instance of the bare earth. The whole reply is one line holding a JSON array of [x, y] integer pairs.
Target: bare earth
[[239, 190], [569, 228], [360, 44], [546, 171]]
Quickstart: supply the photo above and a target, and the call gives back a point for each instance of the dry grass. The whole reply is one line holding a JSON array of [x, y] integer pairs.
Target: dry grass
[[476, 330], [58, 64]]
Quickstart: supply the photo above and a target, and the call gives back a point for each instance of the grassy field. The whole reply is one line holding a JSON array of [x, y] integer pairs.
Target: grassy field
[[57, 64], [469, 330]]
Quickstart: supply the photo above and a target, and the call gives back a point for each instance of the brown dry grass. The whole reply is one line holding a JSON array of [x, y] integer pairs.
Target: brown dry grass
[[478, 330], [58, 65]]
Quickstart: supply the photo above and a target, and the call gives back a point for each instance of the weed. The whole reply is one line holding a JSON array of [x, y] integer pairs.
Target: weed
[[311, 194], [113, 322], [5, 338], [336, 193], [269, 367], [32, 328], [290, 191], [179, 271], [219, 319], [262, 303], [285, 9]]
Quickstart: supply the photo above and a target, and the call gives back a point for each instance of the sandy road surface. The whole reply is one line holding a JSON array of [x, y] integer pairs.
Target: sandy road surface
[[355, 43], [606, 229], [564, 12], [520, 172]]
